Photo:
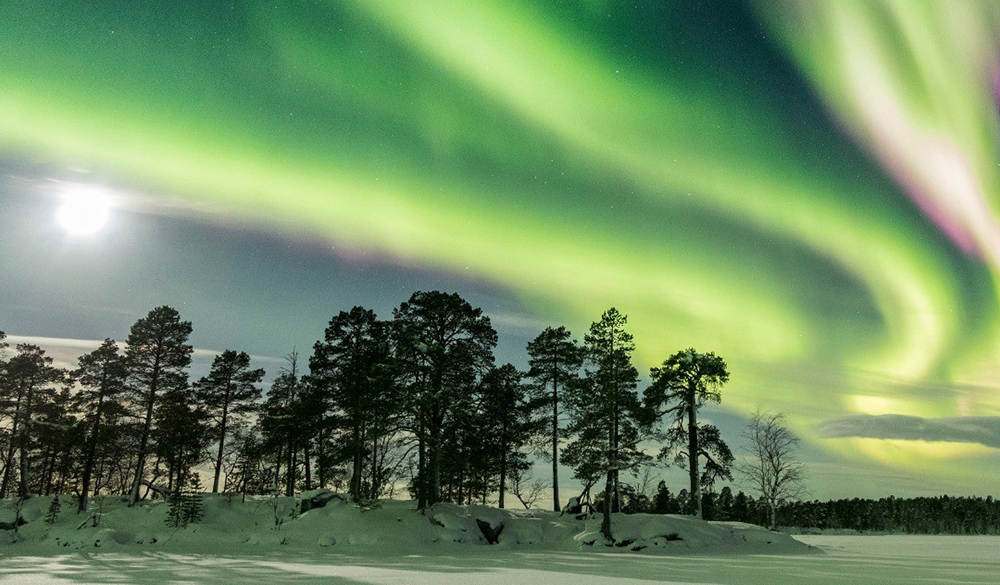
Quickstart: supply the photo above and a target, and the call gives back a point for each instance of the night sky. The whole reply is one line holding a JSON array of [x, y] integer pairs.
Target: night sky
[[807, 188]]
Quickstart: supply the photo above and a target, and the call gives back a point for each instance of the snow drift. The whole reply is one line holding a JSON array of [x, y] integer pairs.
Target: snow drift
[[324, 520]]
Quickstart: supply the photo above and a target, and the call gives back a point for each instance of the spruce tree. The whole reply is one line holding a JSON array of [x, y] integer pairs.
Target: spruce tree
[[228, 394], [679, 388], [193, 507], [554, 364], [158, 356], [55, 506]]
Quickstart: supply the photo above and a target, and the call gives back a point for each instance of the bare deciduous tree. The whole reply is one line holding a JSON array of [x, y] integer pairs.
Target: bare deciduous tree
[[771, 466], [526, 488]]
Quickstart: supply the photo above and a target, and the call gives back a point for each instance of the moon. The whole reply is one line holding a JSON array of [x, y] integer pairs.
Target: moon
[[84, 212]]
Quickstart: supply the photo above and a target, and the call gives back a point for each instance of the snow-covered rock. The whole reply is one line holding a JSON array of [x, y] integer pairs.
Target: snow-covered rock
[[312, 499], [392, 527]]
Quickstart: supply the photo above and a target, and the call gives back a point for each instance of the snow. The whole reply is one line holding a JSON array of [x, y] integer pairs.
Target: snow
[[392, 527], [240, 542], [846, 560]]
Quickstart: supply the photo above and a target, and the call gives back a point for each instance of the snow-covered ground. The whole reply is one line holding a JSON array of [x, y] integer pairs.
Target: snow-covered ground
[[238, 543], [393, 527], [847, 560]]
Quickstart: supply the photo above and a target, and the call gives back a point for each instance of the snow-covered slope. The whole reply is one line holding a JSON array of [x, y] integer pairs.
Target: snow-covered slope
[[393, 527]]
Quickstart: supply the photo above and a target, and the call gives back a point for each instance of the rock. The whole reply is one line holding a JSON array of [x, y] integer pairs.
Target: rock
[[327, 541], [318, 499], [491, 533], [12, 525], [577, 508]]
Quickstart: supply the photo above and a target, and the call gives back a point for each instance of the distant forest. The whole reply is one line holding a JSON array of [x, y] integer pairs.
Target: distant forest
[[416, 403], [924, 515]]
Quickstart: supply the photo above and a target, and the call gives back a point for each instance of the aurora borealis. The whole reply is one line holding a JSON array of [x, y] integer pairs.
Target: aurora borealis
[[807, 188]]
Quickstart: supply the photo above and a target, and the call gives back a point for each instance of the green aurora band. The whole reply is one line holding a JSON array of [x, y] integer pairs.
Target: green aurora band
[[806, 188]]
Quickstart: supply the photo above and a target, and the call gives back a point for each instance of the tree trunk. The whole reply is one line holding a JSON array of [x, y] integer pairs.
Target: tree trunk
[[555, 443], [503, 467], [88, 466], [144, 439], [320, 457], [277, 467], [290, 467], [693, 456], [222, 445], [606, 520], [307, 464], [23, 451], [616, 501], [609, 486], [434, 491], [9, 459], [356, 467], [421, 479]]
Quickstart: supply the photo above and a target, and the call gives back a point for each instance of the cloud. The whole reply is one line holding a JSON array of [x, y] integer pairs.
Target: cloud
[[984, 430], [65, 352]]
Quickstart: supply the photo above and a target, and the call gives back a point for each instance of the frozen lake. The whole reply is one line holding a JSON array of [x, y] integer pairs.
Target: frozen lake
[[844, 560]]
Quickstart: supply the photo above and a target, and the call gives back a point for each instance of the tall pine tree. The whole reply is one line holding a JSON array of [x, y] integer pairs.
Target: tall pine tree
[[443, 346], [351, 370], [606, 411], [101, 377], [554, 364], [158, 355], [29, 375], [506, 417], [228, 394]]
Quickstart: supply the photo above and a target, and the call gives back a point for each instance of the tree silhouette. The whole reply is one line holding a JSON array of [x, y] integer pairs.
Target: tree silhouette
[[229, 392], [554, 360], [679, 388], [29, 374], [606, 412], [101, 376], [443, 345], [157, 354]]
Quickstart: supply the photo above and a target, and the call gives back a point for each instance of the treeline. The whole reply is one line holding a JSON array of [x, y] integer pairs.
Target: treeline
[[923, 515], [926, 515], [416, 400]]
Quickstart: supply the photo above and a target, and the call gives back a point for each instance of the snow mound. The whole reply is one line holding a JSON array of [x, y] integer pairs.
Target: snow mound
[[389, 527]]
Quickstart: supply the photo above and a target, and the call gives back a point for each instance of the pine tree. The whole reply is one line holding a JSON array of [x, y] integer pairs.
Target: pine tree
[[506, 423], [443, 345], [158, 355], [606, 412], [285, 421], [228, 393], [181, 434], [679, 388], [351, 371], [554, 361], [29, 376], [101, 375]]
